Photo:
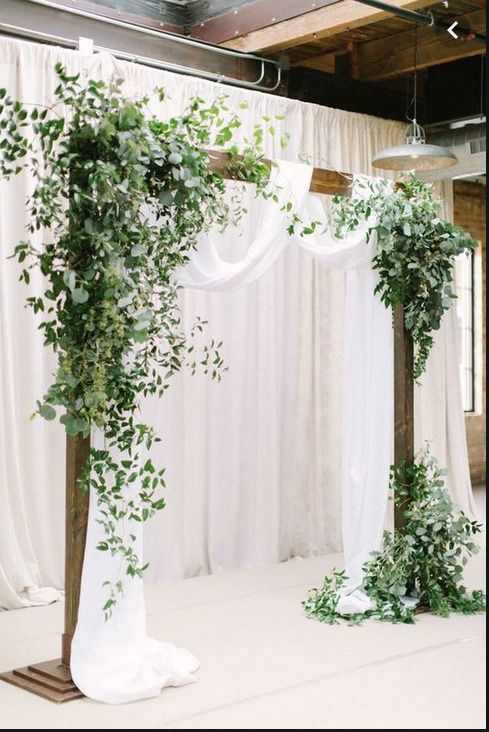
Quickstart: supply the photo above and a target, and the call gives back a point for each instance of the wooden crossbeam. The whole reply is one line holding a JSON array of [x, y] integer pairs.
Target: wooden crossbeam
[[322, 23], [388, 57], [327, 182]]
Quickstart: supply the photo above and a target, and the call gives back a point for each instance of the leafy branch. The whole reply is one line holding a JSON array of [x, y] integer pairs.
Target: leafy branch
[[423, 560], [119, 201], [415, 252]]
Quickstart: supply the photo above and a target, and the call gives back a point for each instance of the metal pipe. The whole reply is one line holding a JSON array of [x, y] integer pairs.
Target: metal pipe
[[423, 19], [146, 60]]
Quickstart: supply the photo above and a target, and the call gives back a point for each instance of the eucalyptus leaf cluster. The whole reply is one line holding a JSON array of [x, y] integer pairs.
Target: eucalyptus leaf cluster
[[415, 252], [424, 560], [118, 203]]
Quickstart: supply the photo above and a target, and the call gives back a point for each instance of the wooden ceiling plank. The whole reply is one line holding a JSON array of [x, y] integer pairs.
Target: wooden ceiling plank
[[326, 62], [385, 58], [317, 24]]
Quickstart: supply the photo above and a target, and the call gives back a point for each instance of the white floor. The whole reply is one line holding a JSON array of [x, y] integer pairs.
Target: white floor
[[265, 665]]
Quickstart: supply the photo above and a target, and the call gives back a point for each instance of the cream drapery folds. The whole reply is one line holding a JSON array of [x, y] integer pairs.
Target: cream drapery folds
[[116, 662], [253, 463]]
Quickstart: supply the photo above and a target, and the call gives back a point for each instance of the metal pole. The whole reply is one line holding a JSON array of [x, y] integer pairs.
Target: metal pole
[[15, 30]]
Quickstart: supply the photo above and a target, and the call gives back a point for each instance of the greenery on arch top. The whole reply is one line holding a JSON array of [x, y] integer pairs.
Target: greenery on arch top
[[415, 252]]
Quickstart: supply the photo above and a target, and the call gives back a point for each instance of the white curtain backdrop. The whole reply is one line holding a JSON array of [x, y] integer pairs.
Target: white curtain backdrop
[[253, 463]]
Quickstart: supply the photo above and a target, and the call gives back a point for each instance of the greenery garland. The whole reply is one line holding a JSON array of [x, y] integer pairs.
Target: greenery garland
[[415, 252], [120, 199], [424, 559]]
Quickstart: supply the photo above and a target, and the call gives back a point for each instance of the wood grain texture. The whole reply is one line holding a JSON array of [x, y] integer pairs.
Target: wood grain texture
[[50, 680], [388, 57], [325, 22], [403, 399], [77, 501], [328, 182]]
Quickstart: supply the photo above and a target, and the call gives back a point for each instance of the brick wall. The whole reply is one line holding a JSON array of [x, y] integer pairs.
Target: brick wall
[[470, 213]]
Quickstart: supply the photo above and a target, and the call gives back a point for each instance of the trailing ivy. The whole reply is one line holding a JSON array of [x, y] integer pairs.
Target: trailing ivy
[[415, 252], [119, 199], [423, 560]]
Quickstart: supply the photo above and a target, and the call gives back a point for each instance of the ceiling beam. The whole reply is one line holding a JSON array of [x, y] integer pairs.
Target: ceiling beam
[[391, 56], [246, 18], [325, 62], [322, 23]]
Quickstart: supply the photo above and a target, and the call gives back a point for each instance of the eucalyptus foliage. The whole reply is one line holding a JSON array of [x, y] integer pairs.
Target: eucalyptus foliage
[[119, 200], [423, 560], [415, 252]]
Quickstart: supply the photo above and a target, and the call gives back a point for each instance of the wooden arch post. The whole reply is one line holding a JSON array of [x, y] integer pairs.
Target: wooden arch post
[[52, 679], [403, 400]]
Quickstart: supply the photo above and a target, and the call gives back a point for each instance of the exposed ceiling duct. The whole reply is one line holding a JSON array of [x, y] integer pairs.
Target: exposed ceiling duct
[[468, 143]]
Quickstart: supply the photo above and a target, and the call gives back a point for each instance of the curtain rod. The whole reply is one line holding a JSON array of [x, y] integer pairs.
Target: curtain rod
[[174, 37], [14, 31]]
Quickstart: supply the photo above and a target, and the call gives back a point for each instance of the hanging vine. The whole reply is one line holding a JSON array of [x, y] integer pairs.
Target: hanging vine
[[415, 252], [120, 199]]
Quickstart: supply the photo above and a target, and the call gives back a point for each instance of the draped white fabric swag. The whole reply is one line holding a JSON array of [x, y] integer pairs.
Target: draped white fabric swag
[[253, 462], [117, 662]]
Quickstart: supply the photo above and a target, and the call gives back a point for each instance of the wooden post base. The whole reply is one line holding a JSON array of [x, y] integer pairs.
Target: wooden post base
[[49, 679]]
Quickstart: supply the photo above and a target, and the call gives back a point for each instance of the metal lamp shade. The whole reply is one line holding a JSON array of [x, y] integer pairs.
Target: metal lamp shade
[[414, 156]]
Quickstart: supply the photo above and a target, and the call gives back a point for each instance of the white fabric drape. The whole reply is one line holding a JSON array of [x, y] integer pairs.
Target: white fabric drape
[[117, 662], [253, 463], [368, 359], [368, 395], [208, 271], [114, 660]]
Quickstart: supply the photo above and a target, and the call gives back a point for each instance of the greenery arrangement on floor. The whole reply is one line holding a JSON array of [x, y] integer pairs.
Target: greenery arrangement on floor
[[423, 560], [415, 252]]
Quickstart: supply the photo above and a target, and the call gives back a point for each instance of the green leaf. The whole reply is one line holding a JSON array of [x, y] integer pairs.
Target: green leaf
[[47, 412], [137, 250], [79, 295]]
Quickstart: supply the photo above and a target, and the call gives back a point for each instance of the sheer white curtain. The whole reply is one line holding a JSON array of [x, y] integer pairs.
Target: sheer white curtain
[[253, 462]]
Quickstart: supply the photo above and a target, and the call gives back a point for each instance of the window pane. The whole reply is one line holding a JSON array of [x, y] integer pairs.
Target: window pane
[[464, 272]]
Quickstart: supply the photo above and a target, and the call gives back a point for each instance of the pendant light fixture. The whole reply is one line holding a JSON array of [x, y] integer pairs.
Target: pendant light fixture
[[415, 154]]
